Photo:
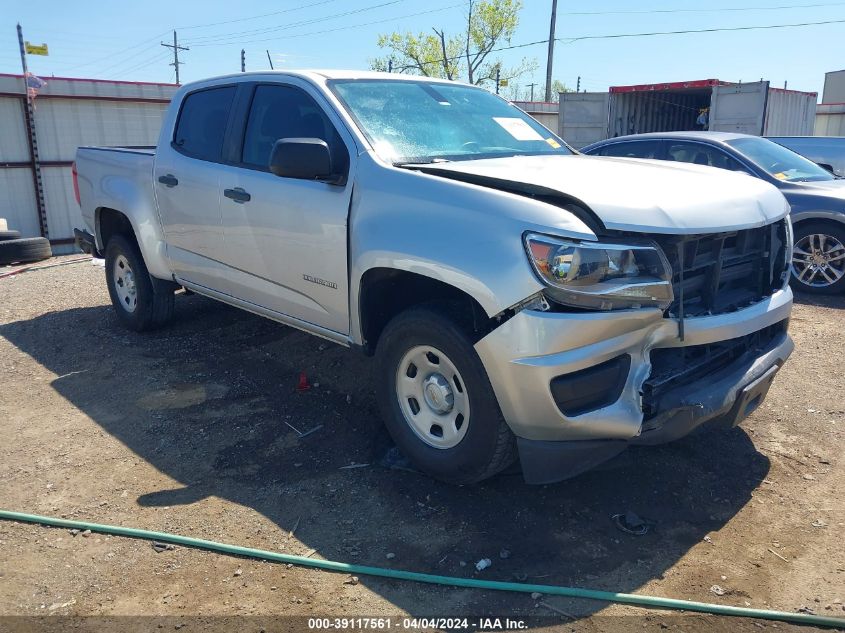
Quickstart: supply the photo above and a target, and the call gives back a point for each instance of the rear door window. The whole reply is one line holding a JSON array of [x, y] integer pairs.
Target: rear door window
[[202, 123], [633, 149], [700, 154]]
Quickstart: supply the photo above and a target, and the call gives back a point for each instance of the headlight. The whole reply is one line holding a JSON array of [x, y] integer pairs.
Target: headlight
[[601, 276]]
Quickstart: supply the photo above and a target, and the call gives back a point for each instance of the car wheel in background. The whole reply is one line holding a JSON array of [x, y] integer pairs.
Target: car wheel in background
[[141, 302], [5, 235], [818, 258], [29, 249], [436, 399]]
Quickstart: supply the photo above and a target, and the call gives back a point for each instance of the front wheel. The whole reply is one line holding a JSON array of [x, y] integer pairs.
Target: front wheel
[[818, 258], [437, 402], [141, 302]]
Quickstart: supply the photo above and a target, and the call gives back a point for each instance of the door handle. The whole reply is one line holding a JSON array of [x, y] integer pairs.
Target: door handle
[[170, 180], [237, 194]]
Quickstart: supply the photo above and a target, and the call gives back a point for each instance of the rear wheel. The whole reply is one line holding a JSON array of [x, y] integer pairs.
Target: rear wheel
[[818, 258], [140, 301], [436, 399]]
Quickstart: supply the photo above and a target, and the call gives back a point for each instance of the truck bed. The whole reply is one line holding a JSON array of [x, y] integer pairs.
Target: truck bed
[[117, 178]]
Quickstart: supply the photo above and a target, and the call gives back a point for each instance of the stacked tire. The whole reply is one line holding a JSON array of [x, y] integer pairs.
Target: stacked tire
[[15, 249]]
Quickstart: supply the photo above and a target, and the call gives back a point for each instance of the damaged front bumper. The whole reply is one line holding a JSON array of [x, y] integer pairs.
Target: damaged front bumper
[[577, 388]]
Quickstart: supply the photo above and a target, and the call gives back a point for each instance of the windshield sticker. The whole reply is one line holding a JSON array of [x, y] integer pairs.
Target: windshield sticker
[[518, 128], [553, 143], [781, 176]]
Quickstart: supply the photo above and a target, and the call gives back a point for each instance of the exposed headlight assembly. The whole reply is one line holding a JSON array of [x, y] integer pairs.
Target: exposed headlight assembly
[[601, 275]]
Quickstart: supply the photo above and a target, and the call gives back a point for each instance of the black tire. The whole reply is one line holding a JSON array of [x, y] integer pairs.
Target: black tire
[[488, 445], [29, 249], [152, 305], [819, 285], [9, 235]]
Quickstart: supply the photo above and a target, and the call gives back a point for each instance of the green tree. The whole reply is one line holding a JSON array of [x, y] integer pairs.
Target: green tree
[[490, 24], [421, 54], [557, 87]]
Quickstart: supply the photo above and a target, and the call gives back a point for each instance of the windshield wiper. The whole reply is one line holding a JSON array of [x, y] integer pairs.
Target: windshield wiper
[[412, 163]]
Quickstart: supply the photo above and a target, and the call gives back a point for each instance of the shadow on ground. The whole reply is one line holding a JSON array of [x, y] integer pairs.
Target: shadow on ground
[[824, 301], [207, 400]]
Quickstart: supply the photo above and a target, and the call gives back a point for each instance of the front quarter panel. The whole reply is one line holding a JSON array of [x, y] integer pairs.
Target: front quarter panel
[[467, 236]]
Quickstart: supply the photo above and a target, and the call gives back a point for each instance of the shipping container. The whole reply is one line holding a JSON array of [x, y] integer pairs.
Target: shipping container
[[834, 87], [830, 119], [709, 104], [68, 113]]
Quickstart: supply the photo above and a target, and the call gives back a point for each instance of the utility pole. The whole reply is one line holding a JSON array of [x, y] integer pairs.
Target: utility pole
[[531, 85], [176, 48], [270, 59], [29, 112], [550, 59], [390, 65], [243, 61]]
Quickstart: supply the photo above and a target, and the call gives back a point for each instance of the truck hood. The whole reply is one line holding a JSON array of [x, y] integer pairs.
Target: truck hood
[[645, 196]]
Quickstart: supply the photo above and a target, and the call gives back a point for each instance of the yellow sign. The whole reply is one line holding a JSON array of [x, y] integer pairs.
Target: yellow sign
[[35, 49], [503, 83]]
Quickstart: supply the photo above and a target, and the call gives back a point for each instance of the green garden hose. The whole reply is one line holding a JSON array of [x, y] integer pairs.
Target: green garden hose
[[474, 583]]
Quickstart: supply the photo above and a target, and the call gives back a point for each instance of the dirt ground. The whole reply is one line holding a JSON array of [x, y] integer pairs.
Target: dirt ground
[[195, 429]]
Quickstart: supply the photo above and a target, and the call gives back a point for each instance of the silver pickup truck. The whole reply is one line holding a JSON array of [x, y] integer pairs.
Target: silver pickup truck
[[520, 299]]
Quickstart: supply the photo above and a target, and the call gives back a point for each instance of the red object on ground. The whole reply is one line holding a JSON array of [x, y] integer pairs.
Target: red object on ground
[[302, 385]]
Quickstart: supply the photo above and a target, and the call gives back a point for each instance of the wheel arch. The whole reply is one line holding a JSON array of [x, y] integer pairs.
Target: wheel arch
[[385, 292], [109, 221], [802, 217]]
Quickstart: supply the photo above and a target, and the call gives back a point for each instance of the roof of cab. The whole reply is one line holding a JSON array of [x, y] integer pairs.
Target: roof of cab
[[321, 75]]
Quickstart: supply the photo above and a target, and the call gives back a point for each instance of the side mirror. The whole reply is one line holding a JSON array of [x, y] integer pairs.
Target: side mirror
[[302, 158], [827, 167]]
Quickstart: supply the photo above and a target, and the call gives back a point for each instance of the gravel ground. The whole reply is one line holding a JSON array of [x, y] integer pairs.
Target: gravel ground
[[195, 429]]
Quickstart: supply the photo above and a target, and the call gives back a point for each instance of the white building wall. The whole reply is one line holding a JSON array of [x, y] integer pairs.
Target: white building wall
[[13, 143], [68, 113]]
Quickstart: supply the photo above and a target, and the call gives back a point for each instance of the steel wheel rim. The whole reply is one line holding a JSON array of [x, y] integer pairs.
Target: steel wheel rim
[[818, 260], [433, 397], [124, 284]]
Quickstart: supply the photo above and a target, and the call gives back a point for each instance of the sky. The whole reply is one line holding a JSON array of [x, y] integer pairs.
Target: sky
[[122, 40]]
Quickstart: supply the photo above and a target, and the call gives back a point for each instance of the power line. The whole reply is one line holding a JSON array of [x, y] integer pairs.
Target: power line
[[281, 27], [256, 17], [685, 31], [120, 52], [161, 56], [649, 11], [570, 40], [340, 28], [133, 59]]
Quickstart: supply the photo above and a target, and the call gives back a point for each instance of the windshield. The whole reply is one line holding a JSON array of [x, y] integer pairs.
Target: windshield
[[779, 162], [424, 122]]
